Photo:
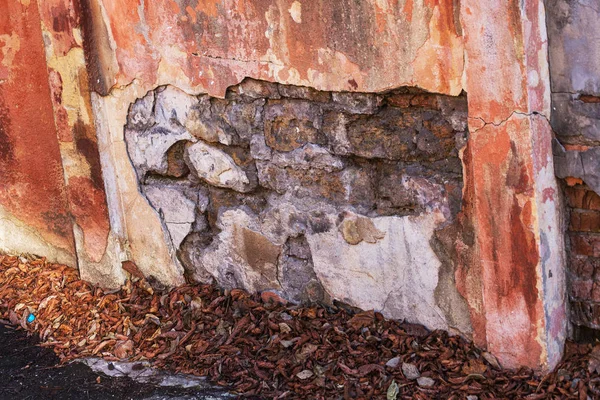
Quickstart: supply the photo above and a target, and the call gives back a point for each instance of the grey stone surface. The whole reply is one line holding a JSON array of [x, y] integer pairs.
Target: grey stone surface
[[216, 167], [575, 121], [314, 195], [574, 45], [578, 164]]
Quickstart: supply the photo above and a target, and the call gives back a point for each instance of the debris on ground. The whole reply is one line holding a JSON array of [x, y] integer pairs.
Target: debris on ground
[[263, 348], [31, 372]]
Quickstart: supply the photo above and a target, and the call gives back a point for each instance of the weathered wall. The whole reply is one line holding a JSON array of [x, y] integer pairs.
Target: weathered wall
[[316, 195], [208, 46], [500, 254], [34, 213], [573, 30]]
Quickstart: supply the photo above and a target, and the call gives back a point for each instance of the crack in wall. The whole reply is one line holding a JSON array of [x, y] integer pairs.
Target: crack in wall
[[505, 120]]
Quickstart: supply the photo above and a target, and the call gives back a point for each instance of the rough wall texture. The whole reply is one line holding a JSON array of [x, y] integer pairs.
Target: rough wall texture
[[502, 252], [34, 213], [574, 29], [211, 45], [518, 246], [308, 193]]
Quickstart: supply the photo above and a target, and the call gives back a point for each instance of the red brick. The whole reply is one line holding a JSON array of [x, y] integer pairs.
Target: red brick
[[574, 196], [595, 295], [585, 221], [591, 201], [582, 289], [585, 244], [582, 266], [581, 197]]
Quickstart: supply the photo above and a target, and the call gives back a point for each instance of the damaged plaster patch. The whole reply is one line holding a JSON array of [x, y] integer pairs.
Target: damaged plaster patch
[[311, 194]]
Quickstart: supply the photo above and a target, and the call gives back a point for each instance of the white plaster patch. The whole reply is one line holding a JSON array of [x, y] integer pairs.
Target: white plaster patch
[[296, 11], [397, 275]]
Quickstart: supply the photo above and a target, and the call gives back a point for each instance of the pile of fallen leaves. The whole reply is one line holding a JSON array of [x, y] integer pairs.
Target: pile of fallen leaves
[[260, 347]]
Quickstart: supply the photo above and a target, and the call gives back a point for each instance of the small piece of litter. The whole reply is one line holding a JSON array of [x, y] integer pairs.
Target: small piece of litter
[[425, 381]]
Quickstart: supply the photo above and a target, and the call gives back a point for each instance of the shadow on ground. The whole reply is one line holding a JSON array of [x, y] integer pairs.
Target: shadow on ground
[[30, 372]]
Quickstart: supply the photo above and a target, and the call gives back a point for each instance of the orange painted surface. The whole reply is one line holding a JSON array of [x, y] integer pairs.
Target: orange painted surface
[[513, 205], [508, 249], [344, 45], [31, 176]]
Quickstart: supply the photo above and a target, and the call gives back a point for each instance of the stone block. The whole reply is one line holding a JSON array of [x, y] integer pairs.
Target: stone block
[[172, 105], [303, 183], [220, 200], [392, 135], [258, 89], [356, 103], [148, 149], [372, 270], [303, 92], [425, 100], [246, 119], [292, 124], [297, 275], [400, 100], [176, 166], [141, 114], [309, 156], [569, 25], [216, 167], [573, 120], [205, 124]]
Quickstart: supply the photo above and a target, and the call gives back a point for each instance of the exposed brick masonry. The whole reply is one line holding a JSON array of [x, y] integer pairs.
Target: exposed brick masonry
[[584, 255]]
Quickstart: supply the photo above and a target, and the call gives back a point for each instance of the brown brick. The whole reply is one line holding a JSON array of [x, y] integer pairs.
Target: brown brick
[[582, 289], [585, 221], [585, 244], [399, 100], [425, 101]]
